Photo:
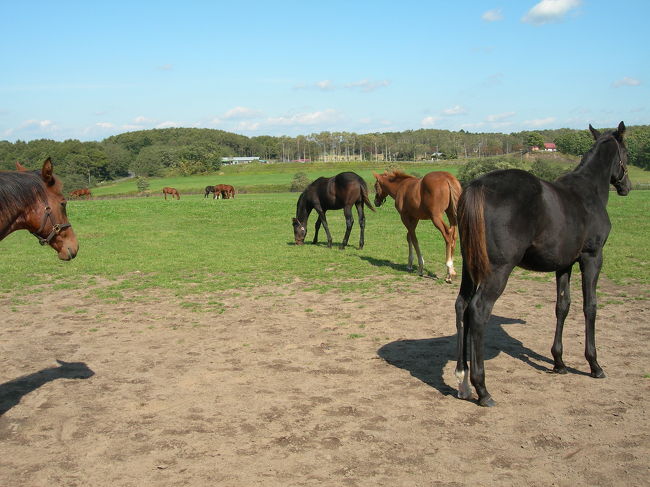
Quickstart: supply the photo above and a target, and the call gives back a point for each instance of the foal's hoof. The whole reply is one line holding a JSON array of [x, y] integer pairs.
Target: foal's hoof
[[448, 280], [486, 402], [598, 374], [560, 370]]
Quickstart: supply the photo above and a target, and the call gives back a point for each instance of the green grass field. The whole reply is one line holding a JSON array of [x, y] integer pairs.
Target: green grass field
[[199, 245]]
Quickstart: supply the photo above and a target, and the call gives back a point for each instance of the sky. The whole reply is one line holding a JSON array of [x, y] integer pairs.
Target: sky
[[88, 70]]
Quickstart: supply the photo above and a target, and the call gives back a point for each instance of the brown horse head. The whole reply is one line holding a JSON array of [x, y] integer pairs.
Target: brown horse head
[[48, 220], [380, 194]]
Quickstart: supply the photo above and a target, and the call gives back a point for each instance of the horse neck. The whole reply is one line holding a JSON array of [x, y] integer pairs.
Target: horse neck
[[303, 209], [596, 170], [391, 187]]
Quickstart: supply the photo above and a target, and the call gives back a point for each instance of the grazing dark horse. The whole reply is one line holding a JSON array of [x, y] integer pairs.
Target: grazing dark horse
[[423, 199], [33, 201], [511, 218], [171, 191], [340, 191], [78, 193], [208, 190]]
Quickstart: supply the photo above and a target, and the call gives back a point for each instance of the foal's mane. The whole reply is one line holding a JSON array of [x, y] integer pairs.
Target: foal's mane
[[594, 148], [18, 191], [398, 175]]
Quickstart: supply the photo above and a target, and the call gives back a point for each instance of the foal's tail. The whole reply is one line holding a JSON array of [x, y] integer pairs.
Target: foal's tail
[[471, 224], [364, 195], [455, 189]]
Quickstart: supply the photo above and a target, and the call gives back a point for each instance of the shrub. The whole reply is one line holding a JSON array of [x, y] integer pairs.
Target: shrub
[[478, 167], [142, 184], [544, 170], [299, 183]]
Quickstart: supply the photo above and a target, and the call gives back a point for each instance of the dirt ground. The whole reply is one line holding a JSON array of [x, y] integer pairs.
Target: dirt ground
[[277, 386]]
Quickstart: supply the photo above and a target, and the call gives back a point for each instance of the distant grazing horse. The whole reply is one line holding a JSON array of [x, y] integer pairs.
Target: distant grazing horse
[[423, 199], [341, 191], [218, 191], [511, 218], [208, 190], [78, 193], [33, 200], [171, 191]]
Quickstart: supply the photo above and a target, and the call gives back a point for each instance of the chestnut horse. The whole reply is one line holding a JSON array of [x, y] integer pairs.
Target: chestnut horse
[[510, 218], [34, 201], [341, 191], [171, 191], [78, 193], [423, 199], [227, 191]]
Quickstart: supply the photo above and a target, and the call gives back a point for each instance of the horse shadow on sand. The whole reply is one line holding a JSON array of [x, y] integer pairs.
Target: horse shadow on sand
[[425, 359], [13, 391], [397, 267]]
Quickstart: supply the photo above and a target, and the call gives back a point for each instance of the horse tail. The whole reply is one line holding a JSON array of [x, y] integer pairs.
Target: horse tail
[[471, 224], [364, 195], [455, 191]]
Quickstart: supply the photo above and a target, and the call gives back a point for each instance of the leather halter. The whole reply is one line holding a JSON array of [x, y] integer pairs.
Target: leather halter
[[619, 180], [56, 227]]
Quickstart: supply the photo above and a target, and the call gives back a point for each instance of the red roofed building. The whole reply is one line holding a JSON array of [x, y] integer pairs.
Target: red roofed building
[[549, 146]]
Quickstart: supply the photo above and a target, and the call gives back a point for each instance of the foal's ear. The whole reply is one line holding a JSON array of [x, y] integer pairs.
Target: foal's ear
[[20, 167], [47, 172], [620, 130], [594, 132]]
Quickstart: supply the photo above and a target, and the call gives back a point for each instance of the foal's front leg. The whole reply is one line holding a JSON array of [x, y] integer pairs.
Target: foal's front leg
[[590, 266], [562, 304], [316, 229]]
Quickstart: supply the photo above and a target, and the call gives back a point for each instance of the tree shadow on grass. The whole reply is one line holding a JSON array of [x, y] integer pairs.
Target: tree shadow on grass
[[13, 391], [425, 359]]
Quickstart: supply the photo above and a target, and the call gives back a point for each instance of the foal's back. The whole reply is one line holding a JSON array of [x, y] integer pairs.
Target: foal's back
[[533, 223]]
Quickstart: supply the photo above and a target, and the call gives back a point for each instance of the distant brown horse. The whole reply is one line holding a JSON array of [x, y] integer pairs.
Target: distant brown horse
[[33, 200], [171, 191], [78, 193], [227, 191], [423, 199]]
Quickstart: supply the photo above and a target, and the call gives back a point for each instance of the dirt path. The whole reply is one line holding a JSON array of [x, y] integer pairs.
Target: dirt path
[[285, 387]]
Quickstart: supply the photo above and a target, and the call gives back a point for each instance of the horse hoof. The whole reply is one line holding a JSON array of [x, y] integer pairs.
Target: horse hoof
[[598, 374], [560, 370], [448, 280], [487, 402]]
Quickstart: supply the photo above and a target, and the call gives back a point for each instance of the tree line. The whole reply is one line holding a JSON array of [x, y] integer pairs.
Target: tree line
[[184, 151]]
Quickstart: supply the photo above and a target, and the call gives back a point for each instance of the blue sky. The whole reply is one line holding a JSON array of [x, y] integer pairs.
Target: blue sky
[[88, 70]]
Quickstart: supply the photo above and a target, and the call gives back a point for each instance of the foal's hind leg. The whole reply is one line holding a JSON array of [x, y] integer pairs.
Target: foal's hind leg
[[467, 289], [349, 221], [449, 234], [362, 223], [476, 319]]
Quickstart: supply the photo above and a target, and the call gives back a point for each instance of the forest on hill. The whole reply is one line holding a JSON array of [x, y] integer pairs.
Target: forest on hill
[[185, 151]]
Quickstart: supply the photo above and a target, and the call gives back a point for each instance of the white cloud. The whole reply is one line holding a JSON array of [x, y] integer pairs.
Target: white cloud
[[455, 110], [493, 15], [105, 125], [626, 81], [367, 85], [240, 113], [165, 67], [325, 85], [499, 117], [548, 11], [429, 121], [540, 122], [248, 126], [313, 118], [142, 119]]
